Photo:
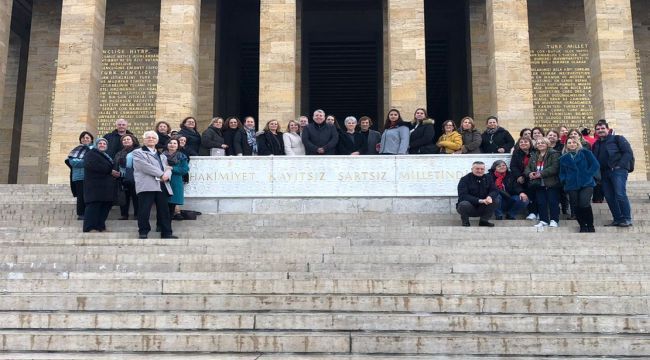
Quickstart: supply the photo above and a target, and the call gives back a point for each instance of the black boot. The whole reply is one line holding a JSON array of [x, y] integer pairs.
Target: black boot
[[588, 216], [580, 218]]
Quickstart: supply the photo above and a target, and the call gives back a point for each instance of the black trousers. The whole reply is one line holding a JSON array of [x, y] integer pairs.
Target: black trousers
[[131, 197], [581, 198], [145, 202], [96, 214], [467, 210], [79, 190]]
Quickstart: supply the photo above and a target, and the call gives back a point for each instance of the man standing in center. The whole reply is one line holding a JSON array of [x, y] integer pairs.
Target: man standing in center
[[477, 196], [319, 137], [115, 138]]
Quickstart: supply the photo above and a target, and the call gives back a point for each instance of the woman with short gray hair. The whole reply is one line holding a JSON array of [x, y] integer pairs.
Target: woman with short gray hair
[[351, 141]]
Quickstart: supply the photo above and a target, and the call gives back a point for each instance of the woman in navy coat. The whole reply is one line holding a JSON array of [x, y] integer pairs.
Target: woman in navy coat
[[99, 186]]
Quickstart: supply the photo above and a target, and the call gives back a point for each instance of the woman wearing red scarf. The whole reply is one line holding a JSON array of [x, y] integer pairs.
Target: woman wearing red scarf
[[512, 197]]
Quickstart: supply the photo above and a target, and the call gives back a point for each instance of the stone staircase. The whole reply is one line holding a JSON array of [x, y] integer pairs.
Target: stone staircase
[[319, 286]]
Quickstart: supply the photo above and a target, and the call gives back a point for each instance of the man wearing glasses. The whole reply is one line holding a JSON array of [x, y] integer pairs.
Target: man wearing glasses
[[616, 159]]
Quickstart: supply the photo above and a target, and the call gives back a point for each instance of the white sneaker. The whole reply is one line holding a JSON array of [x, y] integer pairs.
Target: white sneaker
[[541, 224], [553, 224], [531, 216]]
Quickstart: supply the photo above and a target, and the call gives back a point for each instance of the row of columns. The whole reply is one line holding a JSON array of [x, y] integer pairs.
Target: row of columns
[[75, 106]]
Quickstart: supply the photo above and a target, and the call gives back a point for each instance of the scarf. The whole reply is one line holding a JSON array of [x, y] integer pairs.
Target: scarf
[[252, 141], [120, 157], [172, 160], [492, 131], [79, 152], [499, 178]]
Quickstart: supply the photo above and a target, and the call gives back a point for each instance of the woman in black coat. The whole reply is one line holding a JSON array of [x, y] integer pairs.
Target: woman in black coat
[[191, 133], [235, 138], [422, 140], [496, 140], [351, 142], [99, 186], [518, 163], [270, 142]]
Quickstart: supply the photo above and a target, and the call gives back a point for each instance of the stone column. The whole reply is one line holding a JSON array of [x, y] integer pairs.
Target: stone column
[[39, 87], [8, 108], [405, 85], [78, 77], [178, 60], [614, 78], [480, 62], [511, 89], [5, 30], [278, 60], [208, 43]]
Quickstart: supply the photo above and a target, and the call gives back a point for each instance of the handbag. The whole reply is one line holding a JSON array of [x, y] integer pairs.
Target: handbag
[[217, 152]]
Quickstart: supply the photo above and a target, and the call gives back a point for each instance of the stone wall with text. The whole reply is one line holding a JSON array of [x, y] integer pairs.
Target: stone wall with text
[[130, 65], [560, 64]]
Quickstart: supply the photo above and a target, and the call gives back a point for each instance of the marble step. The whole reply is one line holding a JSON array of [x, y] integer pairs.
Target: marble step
[[407, 274], [479, 304], [12, 269], [260, 356], [328, 342], [334, 286], [186, 320]]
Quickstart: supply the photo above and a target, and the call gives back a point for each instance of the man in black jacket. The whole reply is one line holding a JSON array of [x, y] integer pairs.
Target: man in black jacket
[[477, 196], [115, 138], [616, 159], [319, 137]]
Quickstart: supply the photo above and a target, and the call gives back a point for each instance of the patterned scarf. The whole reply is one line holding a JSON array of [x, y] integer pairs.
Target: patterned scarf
[[252, 141], [79, 152]]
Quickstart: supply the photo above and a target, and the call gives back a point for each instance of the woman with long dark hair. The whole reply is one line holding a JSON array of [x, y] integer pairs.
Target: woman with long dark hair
[[396, 136], [422, 140]]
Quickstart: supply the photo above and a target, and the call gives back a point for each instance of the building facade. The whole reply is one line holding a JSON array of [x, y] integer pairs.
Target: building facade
[[72, 65]]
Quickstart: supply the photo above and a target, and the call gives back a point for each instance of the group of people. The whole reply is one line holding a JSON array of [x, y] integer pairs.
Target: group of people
[[545, 167]]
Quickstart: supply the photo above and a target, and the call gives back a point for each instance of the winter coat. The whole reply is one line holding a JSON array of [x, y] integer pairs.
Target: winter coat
[[163, 139], [450, 143], [578, 170], [347, 146], [517, 161], [550, 172], [511, 186], [176, 182], [471, 141], [619, 152], [99, 183], [148, 171], [316, 136], [422, 139], [491, 143], [77, 167], [473, 188], [193, 139], [212, 138], [269, 144], [293, 144], [395, 141], [114, 142], [373, 138], [240, 144]]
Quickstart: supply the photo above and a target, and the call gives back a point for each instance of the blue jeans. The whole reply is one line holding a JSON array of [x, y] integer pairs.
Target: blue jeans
[[614, 183], [548, 200], [512, 206]]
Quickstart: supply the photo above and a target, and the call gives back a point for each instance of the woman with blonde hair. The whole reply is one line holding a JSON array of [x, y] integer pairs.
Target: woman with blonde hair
[[450, 141], [270, 141], [292, 141], [542, 172], [578, 167]]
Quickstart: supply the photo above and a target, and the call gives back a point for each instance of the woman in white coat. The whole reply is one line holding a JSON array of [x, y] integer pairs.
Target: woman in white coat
[[292, 141]]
